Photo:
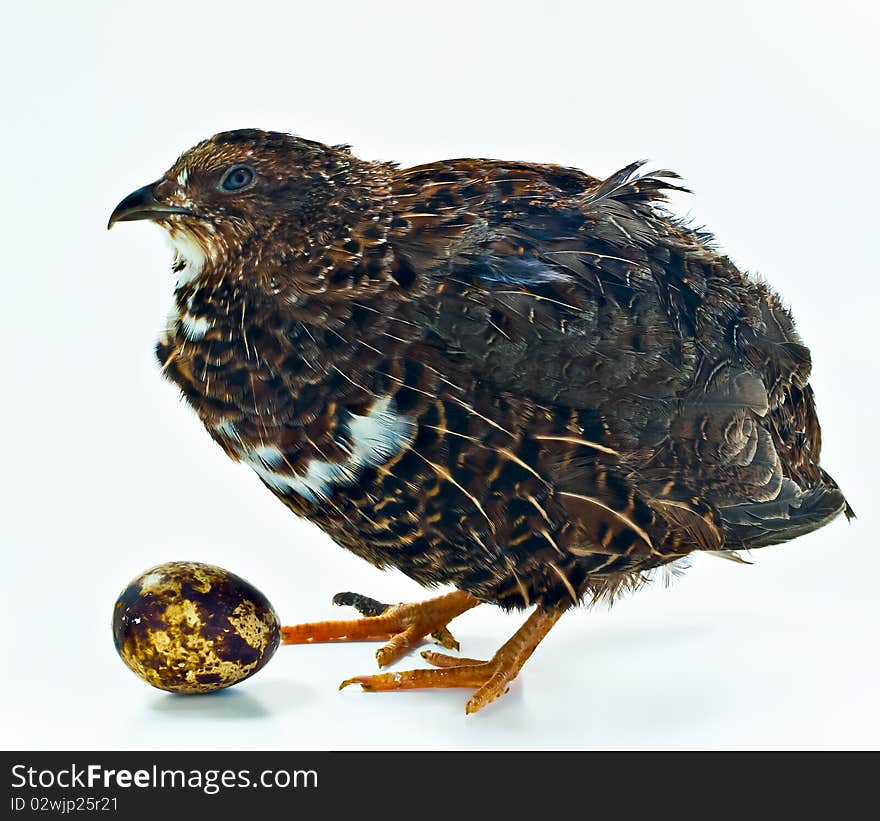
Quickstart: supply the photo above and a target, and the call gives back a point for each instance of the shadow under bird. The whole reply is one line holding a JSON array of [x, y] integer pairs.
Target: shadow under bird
[[516, 379]]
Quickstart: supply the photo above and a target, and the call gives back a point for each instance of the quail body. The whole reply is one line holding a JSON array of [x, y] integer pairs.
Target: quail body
[[516, 379]]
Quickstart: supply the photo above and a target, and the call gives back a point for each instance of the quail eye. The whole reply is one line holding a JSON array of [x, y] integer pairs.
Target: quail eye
[[237, 177]]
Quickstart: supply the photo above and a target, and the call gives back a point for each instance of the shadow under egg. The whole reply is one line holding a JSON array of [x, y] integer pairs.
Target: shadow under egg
[[221, 705], [231, 703]]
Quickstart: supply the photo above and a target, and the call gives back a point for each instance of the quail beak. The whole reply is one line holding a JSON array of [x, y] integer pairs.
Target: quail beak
[[143, 205]]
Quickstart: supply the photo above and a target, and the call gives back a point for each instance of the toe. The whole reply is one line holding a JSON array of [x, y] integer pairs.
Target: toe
[[445, 660], [444, 638], [464, 676], [363, 604]]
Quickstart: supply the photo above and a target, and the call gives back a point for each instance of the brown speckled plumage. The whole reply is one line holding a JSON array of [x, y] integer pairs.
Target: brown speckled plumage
[[566, 387]]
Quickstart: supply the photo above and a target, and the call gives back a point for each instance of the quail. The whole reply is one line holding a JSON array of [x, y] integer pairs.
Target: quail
[[526, 383]]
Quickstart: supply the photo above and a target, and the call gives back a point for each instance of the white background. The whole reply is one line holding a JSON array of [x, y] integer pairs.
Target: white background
[[769, 110]]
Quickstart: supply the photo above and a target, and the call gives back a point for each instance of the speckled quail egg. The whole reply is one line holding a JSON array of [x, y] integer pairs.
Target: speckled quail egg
[[194, 628]]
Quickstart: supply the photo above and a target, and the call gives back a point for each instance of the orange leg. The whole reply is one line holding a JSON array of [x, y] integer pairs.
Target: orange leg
[[403, 625], [491, 678]]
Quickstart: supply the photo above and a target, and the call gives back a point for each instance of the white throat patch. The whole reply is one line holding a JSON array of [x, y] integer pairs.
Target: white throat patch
[[189, 251]]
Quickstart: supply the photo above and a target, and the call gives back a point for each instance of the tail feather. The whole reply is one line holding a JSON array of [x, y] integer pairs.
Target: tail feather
[[793, 513]]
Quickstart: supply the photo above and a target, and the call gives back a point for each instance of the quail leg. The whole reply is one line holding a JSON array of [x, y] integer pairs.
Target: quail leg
[[403, 625], [491, 678]]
